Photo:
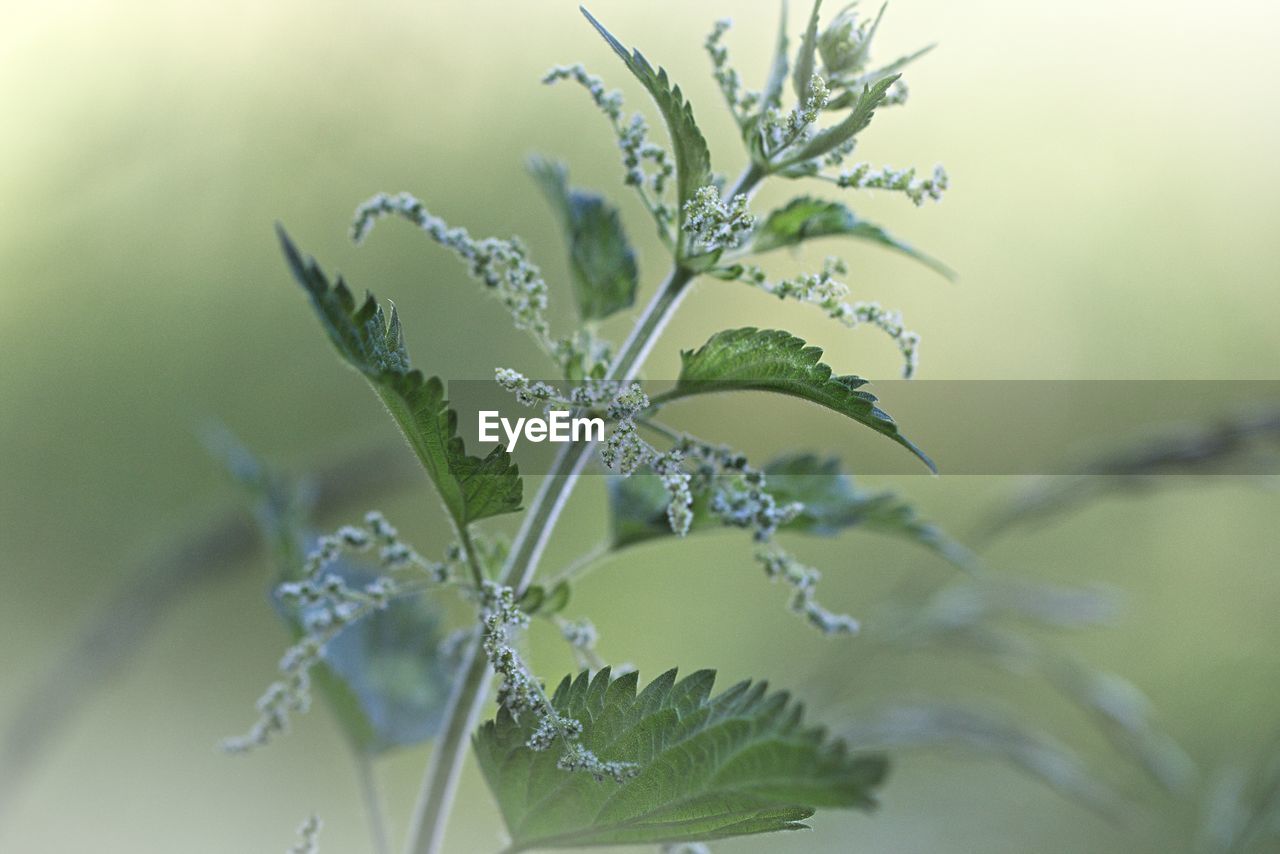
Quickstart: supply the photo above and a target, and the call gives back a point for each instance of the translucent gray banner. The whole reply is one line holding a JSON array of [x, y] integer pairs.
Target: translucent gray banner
[[971, 427]]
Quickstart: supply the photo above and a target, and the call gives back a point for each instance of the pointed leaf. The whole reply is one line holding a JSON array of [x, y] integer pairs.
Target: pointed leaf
[[805, 57], [471, 488], [859, 117], [807, 218], [777, 361], [709, 768], [601, 261], [772, 94], [990, 734], [693, 159]]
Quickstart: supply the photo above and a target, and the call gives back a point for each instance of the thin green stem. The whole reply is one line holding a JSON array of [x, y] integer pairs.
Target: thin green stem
[[473, 558], [581, 565], [373, 806], [661, 429], [426, 836]]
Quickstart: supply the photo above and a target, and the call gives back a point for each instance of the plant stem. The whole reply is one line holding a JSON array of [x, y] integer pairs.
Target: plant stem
[[426, 834], [441, 781], [579, 567], [373, 807], [473, 558]]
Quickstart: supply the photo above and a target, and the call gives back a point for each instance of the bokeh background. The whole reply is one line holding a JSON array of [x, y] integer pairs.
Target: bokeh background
[[1113, 217]]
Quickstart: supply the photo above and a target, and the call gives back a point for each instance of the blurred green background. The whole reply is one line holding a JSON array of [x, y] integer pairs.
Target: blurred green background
[[1113, 213]]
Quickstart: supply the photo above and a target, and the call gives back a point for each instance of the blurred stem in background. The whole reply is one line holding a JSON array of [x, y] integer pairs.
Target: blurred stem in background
[[1240, 806]]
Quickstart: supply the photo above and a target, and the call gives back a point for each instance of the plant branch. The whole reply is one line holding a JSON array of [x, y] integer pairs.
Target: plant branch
[[440, 784], [373, 806], [579, 567]]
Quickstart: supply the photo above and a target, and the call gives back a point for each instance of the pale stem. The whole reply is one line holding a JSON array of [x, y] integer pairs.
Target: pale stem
[[426, 836], [373, 806]]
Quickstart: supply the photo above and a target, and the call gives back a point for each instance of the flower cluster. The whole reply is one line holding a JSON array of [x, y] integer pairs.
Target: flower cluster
[[578, 758], [715, 224], [745, 502], [581, 635], [393, 553], [829, 294], [740, 498], [741, 103], [624, 451], [739, 492], [803, 581], [521, 693], [326, 605], [591, 394], [329, 606], [918, 190], [610, 103], [779, 132], [633, 140], [685, 848], [502, 265], [518, 691], [309, 833]]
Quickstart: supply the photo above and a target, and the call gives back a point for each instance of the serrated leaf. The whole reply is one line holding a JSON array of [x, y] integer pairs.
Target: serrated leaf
[[777, 361], [709, 768], [771, 96], [833, 504], [807, 218], [859, 117], [601, 262], [806, 55], [471, 488], [693, 158]]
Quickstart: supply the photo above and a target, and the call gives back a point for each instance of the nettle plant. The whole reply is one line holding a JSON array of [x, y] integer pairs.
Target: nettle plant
[[602, 759]]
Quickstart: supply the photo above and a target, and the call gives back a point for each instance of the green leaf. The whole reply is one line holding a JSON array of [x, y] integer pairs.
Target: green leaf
[[471, 488], [853, 124], [383, 675], [850, 96], [990, 734], [777, 361], [833, 504], [771, 96], [805, 58], [693, 158], [601, 261], [807, 218], [539, 601], [709, 768], [557, 599]]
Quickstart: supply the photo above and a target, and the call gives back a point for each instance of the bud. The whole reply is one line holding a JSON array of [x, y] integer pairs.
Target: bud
[[845, 44]]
